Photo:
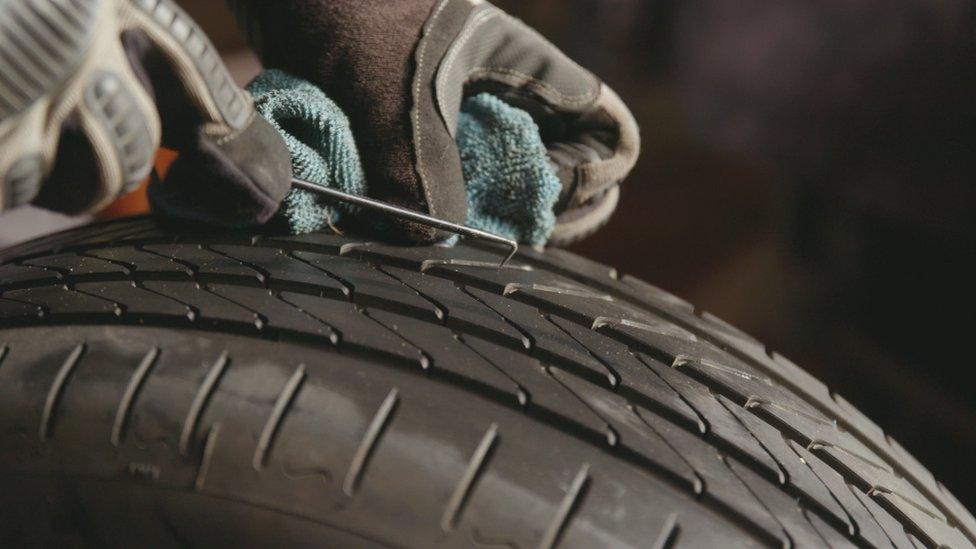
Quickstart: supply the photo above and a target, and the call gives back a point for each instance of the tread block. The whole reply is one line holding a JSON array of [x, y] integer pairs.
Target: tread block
[[633, 432], [355, 329], [209, 308], [633, 378], [370, 286], [284, 270], [719, 483], [826, 440], [591, 272], [865, 523], [460, 311], [17, 275], [660, 339], [566, 262], [541, 390], [488, 276], [135, 300], [548, 341], [332, 243], [745, 385], [798, 474], [449, 355], [277, 313], [783, 508], [721, 423], [206, 262], [892, 528], [585, 306], [931, 529], [871, 471], [144, 263], [62, 301], [78, 265], [415, 257], [11, 310], [831, 537]]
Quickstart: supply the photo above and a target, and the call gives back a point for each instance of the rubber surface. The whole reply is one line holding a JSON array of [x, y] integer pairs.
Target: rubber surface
[[181, 389]]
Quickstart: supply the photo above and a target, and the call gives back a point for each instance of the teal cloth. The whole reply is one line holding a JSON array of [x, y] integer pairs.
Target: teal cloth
[[510, 185], [319, 138]]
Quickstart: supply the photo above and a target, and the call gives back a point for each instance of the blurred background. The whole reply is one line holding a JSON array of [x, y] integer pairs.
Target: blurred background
[[807, 175]]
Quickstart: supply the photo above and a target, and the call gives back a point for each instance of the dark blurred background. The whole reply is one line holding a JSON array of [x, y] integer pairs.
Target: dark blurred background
[[807, 175]]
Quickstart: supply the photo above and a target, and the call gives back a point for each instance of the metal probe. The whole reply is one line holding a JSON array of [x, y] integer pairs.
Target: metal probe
[[404, 213]]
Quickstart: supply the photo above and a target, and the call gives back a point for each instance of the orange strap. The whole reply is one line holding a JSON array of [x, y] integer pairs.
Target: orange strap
[[137, 202]]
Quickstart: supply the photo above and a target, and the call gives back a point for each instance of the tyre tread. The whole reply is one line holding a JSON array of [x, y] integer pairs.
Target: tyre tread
[[661, 385]]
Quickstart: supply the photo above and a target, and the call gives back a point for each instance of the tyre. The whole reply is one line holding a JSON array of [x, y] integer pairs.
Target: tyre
[[189, 389]]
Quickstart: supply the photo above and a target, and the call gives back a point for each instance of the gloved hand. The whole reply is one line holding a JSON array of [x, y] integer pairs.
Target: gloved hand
[[79, 122], [400, 68]]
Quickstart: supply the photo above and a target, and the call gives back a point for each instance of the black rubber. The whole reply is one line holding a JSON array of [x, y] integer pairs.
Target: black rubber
[[201, 390]]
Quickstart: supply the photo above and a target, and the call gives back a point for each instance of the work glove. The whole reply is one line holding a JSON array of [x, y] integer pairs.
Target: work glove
[[400, 69], [83, 86]]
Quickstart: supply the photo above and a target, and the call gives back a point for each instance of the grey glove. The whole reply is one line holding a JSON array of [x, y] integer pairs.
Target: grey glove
[[80, 85], [399, 69]]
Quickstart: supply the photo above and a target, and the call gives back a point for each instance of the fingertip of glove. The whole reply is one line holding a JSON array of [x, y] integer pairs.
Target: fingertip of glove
[[234, 181], [260, 156]]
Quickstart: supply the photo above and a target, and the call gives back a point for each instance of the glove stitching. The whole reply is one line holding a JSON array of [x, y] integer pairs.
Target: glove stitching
[[458, 46], [233, 135], [546, 89], [418, 135]]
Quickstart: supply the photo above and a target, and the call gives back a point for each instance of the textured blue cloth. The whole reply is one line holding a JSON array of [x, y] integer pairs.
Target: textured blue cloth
[[510, 185], [320, 141]]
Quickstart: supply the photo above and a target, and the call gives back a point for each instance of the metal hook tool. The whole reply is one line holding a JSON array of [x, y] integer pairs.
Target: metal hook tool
[[404, 213]]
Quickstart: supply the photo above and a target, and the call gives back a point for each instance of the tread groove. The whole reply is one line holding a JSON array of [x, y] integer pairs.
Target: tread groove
[[209, 447], [439, 309], [370, 439], [669, 533], [699, 485], [870, 513], [704, 426], [347, 289], [613, 376], [423, 358], [853, 529], [783, 477], [131, 391], [462, 491], [527, 340], [55, 391], [192, 313], [263, 275], [524, 396], [612, 437], [200, 400], [570, 503], [285, 398], [335, 337], [787, 539]]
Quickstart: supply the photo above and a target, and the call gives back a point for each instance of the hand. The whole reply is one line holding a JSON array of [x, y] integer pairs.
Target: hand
[[80, 84], [399, 69]]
